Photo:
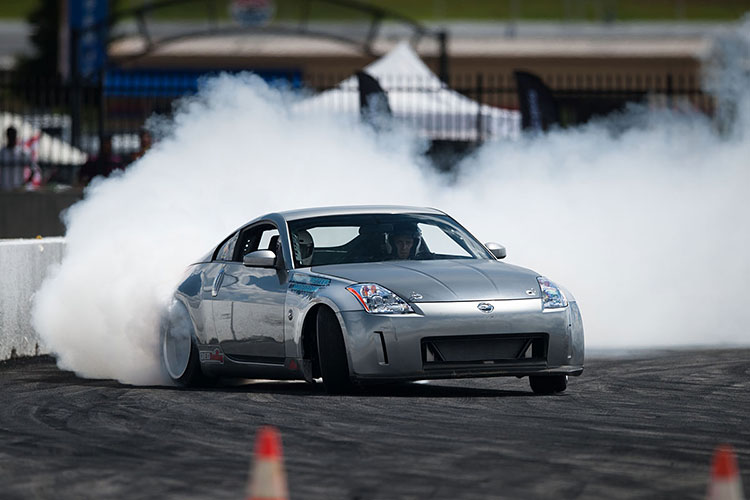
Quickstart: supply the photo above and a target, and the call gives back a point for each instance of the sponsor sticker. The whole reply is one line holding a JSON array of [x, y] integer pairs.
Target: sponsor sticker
[[212, 356], [303, 284]]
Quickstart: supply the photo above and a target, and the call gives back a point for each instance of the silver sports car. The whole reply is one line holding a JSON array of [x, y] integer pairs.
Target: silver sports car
[[360, 294]]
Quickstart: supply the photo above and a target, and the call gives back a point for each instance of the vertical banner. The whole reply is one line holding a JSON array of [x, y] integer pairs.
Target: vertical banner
[[87, 21], [539, 109], [373, 101]]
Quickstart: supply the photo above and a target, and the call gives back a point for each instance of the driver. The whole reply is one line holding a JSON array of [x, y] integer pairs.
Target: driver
[[304, 247], [405, 240]]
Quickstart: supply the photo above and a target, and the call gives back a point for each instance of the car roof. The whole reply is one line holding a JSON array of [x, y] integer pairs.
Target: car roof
[[355, 209]]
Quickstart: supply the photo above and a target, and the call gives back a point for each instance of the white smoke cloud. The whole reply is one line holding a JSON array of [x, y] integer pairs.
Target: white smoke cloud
[[233, 153], [646, 226]]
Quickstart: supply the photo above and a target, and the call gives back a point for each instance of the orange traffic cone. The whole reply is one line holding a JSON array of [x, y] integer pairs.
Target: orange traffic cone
[[267, 477], [725, 477]]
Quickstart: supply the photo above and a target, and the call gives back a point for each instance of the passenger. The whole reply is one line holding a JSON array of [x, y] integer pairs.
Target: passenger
[[304, 247]]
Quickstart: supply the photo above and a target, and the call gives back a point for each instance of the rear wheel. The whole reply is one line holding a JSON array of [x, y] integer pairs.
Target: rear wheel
[[548, 384], [179, 353], [332, 353]]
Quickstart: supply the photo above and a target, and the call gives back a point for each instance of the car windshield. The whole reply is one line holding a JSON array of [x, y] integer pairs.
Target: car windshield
[[347, 239]]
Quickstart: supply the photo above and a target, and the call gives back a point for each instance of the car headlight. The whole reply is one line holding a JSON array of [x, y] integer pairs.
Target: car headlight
[[552, 296], [378, 299]]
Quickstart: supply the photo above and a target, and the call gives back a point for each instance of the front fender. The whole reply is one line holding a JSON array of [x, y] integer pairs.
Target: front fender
[[305, 292]]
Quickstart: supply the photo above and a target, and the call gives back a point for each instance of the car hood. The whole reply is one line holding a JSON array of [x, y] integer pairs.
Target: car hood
[[442, 280]]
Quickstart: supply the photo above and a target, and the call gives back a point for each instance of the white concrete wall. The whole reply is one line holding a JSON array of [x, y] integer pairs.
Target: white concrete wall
[[23, 266]]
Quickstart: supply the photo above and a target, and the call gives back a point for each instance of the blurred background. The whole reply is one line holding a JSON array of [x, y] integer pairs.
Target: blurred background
[[83, 81]]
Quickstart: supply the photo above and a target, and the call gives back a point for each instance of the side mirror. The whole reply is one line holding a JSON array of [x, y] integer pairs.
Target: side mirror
[[260, 258], [496, 249]]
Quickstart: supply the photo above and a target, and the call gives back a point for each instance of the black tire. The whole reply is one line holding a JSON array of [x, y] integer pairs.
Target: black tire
[[183, 368], [332, 353], [548, 384]]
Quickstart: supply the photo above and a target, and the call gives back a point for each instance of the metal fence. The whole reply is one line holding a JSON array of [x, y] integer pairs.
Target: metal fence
[[74, 119]]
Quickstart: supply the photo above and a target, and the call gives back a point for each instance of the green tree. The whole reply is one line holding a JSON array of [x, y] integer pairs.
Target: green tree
[[45, 31], [44, 20]]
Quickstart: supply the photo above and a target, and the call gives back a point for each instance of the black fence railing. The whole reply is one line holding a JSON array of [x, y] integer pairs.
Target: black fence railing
[[71, 122]]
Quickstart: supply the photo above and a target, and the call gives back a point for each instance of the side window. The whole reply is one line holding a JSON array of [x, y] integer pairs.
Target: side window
[[268, 239], [227, 249], [261, 237]]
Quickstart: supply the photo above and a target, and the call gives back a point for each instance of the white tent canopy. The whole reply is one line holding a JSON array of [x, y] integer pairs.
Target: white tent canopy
[[418, 97], [50, 149]]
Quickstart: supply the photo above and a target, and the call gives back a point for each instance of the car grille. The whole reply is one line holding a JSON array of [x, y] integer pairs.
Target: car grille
[[483, 350]]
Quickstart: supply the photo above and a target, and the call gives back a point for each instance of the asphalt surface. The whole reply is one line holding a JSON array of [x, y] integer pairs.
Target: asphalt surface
[[643, 426]]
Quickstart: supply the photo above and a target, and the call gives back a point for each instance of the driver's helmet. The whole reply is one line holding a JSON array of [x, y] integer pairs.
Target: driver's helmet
[[306, 246], [409, 229]]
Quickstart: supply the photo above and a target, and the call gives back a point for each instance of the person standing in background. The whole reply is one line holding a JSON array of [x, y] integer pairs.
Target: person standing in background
[[13, 161]]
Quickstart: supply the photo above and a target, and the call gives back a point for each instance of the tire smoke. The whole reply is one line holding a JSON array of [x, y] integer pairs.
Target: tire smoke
[[642, 216]]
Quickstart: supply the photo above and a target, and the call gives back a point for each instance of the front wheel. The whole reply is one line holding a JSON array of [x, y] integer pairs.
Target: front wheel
[[332, 353], [179, 354], [548, 384]]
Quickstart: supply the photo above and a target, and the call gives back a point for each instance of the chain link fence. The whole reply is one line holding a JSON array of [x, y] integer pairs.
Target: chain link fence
[[72, 121]]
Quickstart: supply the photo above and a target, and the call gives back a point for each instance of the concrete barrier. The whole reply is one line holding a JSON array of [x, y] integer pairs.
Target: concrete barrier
[[23, 266]]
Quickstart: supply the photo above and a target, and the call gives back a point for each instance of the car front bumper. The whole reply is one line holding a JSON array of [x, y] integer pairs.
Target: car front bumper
[[456, 339]]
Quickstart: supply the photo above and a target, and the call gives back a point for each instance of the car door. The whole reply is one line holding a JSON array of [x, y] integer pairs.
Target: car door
[[220, 311], [249, 303]]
